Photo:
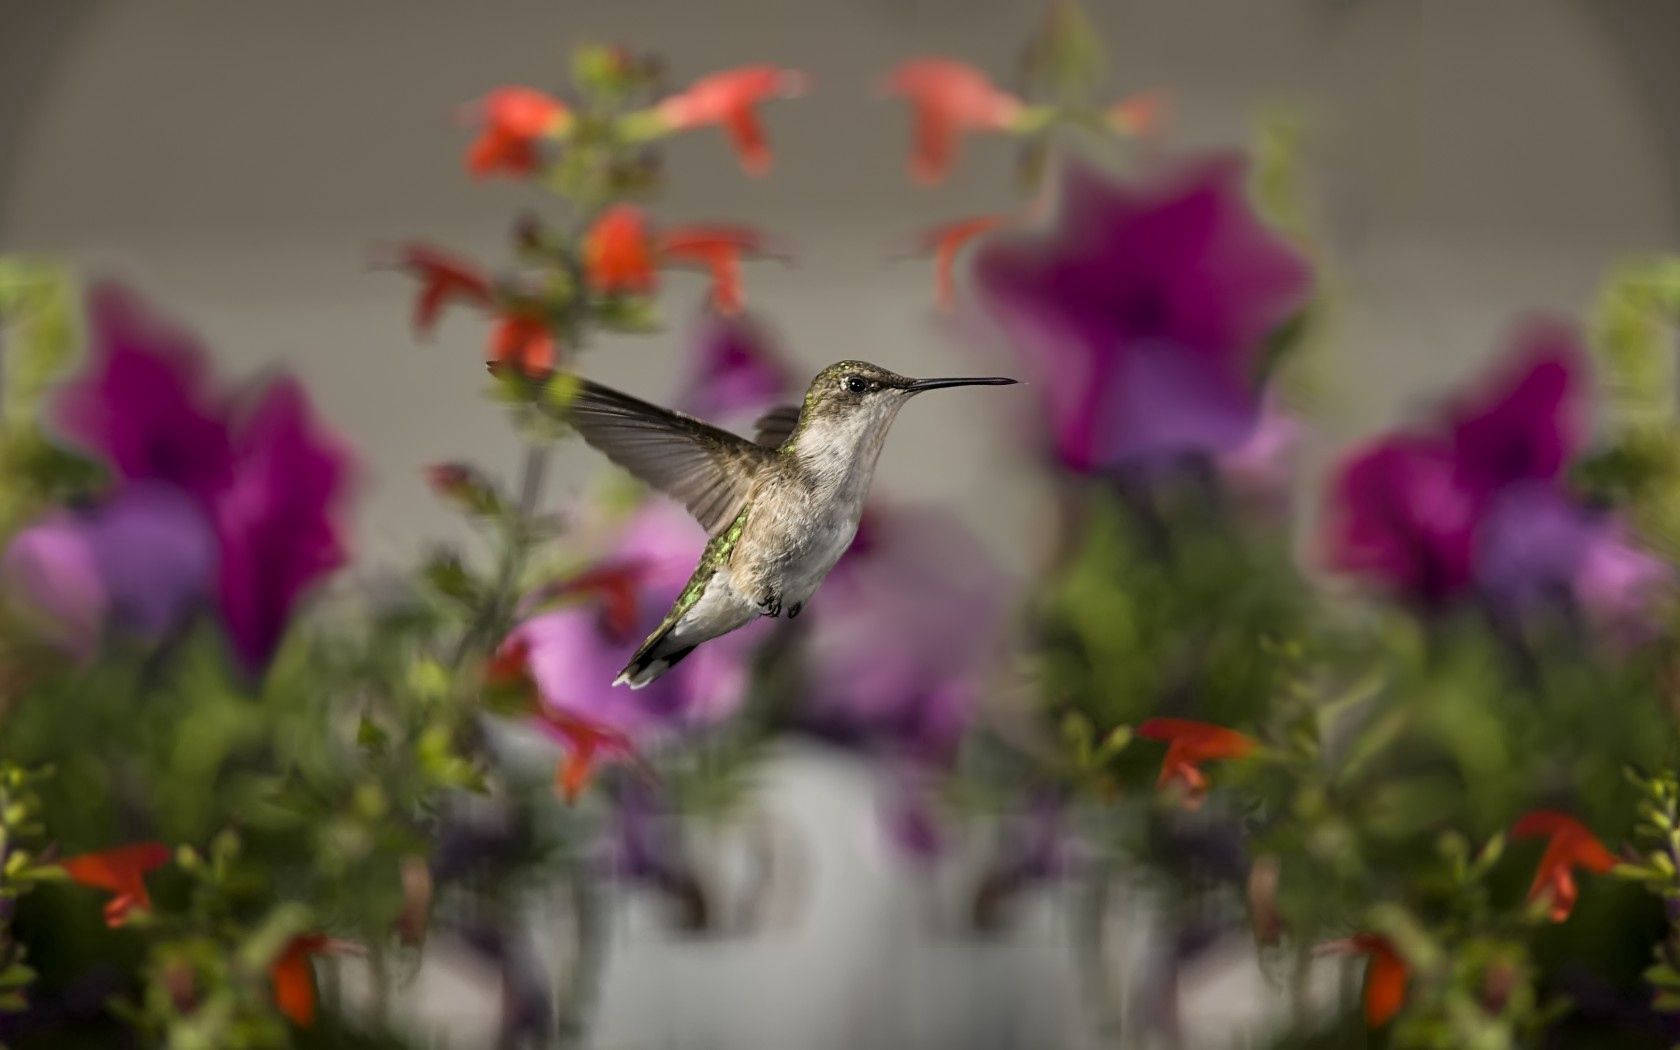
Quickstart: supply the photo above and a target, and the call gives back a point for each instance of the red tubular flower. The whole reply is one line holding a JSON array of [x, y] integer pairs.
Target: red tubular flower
[[948, 97], [1571, 845], [616, 585], [617, 253], [1189, 744], [944, 242], [294, 978], [729, 98], [524, 343], [122, 871], [507, 666], [514, 119], [450, 479], [717, 249], [1386, 974], [443, 278], [585, 741], [1141, 114]]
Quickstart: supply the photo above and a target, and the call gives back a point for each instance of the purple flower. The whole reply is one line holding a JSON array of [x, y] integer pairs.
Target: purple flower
[[141, 562], [573, 663], [912, 821], [1536, 545], [1477, 503], [157, 556], [735, 368], [52, 575], [1143, 312], [266, 485], [901, 633], [1262, 465], [574, 658], [1036, 846]]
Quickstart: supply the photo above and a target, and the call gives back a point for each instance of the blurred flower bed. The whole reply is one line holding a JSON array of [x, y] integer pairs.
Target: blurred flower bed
[[1417, 736]]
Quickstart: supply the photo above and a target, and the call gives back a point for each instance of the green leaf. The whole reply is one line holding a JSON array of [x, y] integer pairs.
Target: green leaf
[[1666, 1002], [450, 577], [1662, 975], [636, 314], [467, 488], [38, 317], [371, 737], [1065, 59], [16, 974]]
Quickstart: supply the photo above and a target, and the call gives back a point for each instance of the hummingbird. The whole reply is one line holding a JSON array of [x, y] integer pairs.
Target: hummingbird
[[779, 509]]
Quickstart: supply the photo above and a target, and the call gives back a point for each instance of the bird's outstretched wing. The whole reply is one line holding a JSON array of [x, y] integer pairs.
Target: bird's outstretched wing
[[710, 470], [774, 427]]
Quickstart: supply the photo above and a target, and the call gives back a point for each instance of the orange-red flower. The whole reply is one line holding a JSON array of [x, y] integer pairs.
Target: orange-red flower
[[621, 254], [586, 741], [524, 343], [730, 98], [1141, 114], [1188, 745], [1386, 974], [717, 249], [617, 252], [944, 242], [1571, 845], [506, 668], [948, 97], [616, 585], [294, 978], [442, 278], [514, 119], [122, 871]]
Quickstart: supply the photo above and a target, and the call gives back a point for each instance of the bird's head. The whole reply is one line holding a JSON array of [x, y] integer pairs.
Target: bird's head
[[860, 397]]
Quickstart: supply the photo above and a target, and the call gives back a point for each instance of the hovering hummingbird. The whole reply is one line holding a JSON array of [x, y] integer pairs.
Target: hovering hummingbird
[[780, 509]]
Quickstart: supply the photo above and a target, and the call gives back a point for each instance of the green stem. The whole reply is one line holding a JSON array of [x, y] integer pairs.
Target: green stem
[[499, 603]]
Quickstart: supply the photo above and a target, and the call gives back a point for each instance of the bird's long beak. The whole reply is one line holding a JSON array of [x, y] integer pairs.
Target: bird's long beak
[[935, 384]]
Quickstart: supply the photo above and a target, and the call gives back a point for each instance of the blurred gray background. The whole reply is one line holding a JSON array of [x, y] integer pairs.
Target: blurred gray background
[[1472, 160]]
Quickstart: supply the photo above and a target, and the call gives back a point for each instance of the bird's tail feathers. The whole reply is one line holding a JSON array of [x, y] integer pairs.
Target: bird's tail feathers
[[656, 656]]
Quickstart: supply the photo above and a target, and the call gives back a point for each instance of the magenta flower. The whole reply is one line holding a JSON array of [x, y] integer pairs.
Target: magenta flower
[[144, 405], [1477, 503], [265, 486], [735, 369], [1403, 518], [274, 520], [1143, 312], [901, 634], [573, 656]]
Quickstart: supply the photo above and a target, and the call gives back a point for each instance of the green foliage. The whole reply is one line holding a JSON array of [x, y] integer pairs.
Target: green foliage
[[1065, 60], [1658, 871], [1394, 754], [38, 333], [21, 869], [38, 319], [1633, 333], [1143, 619]]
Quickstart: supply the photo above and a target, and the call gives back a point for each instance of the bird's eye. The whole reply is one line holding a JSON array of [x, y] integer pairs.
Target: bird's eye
[[857, 384]]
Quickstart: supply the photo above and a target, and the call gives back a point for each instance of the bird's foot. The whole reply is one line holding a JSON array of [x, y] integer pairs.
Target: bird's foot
[[771, 604], [793, 610]]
